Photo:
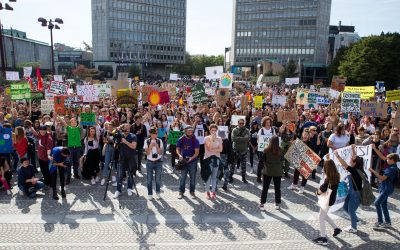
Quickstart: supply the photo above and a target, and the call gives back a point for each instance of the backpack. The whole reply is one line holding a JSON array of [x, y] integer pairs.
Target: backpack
[[157, 140], [366, 195]]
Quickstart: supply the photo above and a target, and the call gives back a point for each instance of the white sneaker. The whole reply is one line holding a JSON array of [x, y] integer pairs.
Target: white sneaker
[[292, 187], [277, 207], [349, 229], [9, 192], [150, 197], [97, 179], [158, 196], [21, 192], [117, 194], [113, 178], [103, 181], [301, 191], [130, 192], [93, 181], [114, 184]]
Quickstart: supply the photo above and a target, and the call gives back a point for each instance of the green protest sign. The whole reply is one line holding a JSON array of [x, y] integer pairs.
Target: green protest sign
[[88, 119], [20, 91], [174, 136], [199, 94]]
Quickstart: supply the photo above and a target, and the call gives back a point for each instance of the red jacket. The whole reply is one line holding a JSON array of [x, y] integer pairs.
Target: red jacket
[[21, 147], [44, 143]]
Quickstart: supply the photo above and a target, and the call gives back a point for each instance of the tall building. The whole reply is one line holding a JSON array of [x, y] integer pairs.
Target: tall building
[[151, 33], [278, 30], [340, 36]]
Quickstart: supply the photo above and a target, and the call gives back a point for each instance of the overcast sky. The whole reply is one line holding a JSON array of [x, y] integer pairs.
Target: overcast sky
[[209, 22]]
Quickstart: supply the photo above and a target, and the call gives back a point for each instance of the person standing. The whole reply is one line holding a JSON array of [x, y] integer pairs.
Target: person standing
[[44, 145], [266, 131], [154, 149], [74, 143], [58, 163], [188, 149], [253, 144], [240, 138], [200, 132], [92, 156], [140, 131]]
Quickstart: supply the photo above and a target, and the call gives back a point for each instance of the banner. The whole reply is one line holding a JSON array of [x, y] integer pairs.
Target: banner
[[199, 94], [290, 116], [279, 100], [365, 92], [20, 91], [174, 136], [263, 142], [350, 103], [12, 76], [339, 83], [258, 101], [6, 144], [90, 93], [235, 119], [292, 81], [88, 119], [58, 88], [226, 81], [46, 106], [104, 90], [127, 98], [58, 78], [392, 95], [27, 72], [374, 109], [222, 97], [223, 132], [303, 158], [213, 73], [271, 79]]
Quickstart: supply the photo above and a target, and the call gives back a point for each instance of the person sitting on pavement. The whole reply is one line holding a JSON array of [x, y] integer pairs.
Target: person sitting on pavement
[[27, 183]]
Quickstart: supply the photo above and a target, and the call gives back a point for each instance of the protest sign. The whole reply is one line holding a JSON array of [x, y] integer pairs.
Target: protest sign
[[90, 93], [292, 81], [146, 91], [380, 86], [365, 92], [59, 106], [58, 78], [271, 79], [222, 96], [173, 77], [46, 106], [290, 116], [210, 91], [12, 76], [235, 119], [258, 101], [374, 109], [338, 83], [68, 104], [334, 94], [303, 158], [88, 119], [170, 119], [302, 97], [324, 91], [350, 102], [199, 94], [323, 100], [396, 119], [6, 143], [164, 97], [263, 142], [126, 98], [27, 71], [213, 73], [20, 91], [104, 90], [312, 97], [58, 88], [37, 96], [223, 132], [226, 81], [174, 136], [279, 100], [392, 95]]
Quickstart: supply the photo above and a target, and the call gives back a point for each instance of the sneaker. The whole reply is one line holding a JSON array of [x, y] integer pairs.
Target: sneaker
[[150, 197], [117, 194], [114, 184], [97, 179], [158, 196], [259, 180], [93, 181], [301, 191], [225, 187], [9, 192], [336, 232], [180, 196], [193, 195], [208, 196], [321, 241], [113, 178], [129, 192], [103, 181], [261, 206], [350, 230], [387, 224], [55, 197], [378, 225], [277, 207], [292, 187]]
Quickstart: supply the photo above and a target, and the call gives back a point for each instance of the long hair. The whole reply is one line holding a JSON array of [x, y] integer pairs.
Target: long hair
[[20, 133], [273, 146], [340, 129], [331, 173], [359, 163]]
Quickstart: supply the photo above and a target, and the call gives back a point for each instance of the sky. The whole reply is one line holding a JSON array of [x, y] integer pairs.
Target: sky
[[209, 22]]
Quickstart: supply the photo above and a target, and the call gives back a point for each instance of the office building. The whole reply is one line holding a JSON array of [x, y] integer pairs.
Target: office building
[[340, 36], [151, 33], [67, 58]]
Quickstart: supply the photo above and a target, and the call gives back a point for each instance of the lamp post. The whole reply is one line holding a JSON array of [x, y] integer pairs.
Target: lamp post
[[49, 24], [2, 55]]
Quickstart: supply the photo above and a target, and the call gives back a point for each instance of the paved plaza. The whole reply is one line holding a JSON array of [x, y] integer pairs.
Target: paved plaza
[[233, 221]]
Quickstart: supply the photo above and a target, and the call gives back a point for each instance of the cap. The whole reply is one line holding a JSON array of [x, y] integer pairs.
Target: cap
[[188, 127]]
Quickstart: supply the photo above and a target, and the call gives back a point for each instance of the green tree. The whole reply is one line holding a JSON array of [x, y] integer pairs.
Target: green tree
[[374, 58], [289, 70], [195, 65], [134, 70], [333, 68]]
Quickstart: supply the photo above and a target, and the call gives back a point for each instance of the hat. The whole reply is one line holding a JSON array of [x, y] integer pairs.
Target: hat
[[48, 124], [188, 127], [42, 127]]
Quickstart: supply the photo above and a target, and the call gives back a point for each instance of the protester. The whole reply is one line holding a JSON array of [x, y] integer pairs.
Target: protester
[[27, 183], [240, 139], [44, 145], [58, 163]]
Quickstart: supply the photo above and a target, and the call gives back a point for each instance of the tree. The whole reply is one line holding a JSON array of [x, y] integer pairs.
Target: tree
[[134, 70], [333, 68], [289, 70], [195, 65], [87, 47], [81, 72], [374, 58]]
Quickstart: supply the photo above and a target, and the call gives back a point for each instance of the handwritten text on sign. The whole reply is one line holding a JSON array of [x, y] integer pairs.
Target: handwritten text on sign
[[350, 103], [303, 158], [58, 88], [263, 142], [90, 93]]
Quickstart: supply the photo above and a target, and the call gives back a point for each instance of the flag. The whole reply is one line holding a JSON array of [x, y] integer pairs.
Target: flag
[[40, 81]]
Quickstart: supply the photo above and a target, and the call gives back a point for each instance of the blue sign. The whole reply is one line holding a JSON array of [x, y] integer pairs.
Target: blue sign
[[6, 145]]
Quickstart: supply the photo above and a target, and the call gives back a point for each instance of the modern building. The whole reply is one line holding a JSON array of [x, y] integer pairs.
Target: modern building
[[151, 33], [67, 58], [20, 49], [276, 31], [340, 36]]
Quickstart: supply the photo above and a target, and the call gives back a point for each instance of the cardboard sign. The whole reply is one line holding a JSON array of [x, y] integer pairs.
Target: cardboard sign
[[263, 142], [374, 109], [88, 119], [199, 94], [58, 88], [173, 77], [127, 98], [396, 119], [365, 92], [6, 144], [338, 83], [90, 93], [68, 104], [20, 91], [104, 90], [258, 102], [223, 132], [392, 95], [244, 101], [226, 81], [350, 103], [235, 119], [279, 100], [222, 97], [174, 136], [210, 91], [12, 76], [290, 116], [46, 106], [27, 72], [303, 158], [302, 97]]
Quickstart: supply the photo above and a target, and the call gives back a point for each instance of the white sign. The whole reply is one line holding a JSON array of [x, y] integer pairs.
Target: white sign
[[279, 100], [263, 142], [334, 93], [259, 79], [324, 90], [235, 119], [199, 133], [226, 81], [27, 71], [12, 76], [46, 106], [58, 88], [58, 78], [223, 132], [173, 77], [170, 119], [49, 96], [292, 81], [103, 89], [90, 93], [215, 72], [210, 91]]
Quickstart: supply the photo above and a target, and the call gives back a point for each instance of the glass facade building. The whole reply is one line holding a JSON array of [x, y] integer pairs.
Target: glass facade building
[[278, 30], [147, 32]]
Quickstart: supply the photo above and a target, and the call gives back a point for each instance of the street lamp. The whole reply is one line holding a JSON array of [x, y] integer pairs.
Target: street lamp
[[50, 25], [2, 55]]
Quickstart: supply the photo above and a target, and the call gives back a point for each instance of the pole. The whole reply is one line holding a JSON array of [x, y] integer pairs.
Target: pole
[[14, 62], [3, 60], [52, 51]]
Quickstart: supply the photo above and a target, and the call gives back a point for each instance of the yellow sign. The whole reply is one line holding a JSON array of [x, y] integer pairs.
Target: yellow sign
[[258, 102], [393, 95], [365, 92]]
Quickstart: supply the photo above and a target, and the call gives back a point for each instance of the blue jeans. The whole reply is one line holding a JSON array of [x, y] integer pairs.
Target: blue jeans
[[74, 159], [191, 168], [126, 164], [109, 152], [351, 204], [212, 179], [155, 167], [25, 188], [381, 207], [224, 162]]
